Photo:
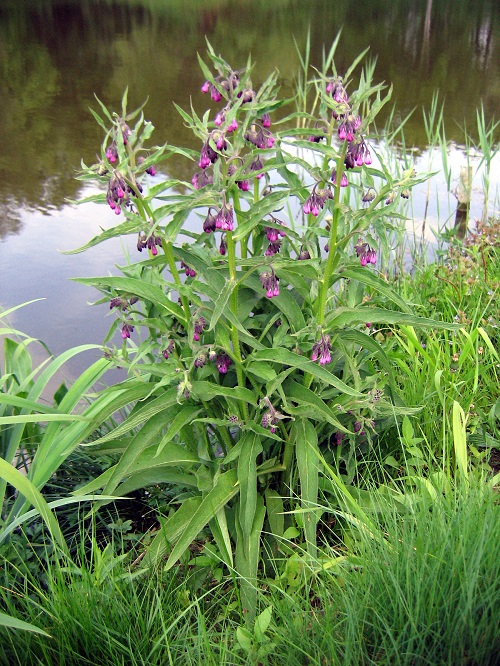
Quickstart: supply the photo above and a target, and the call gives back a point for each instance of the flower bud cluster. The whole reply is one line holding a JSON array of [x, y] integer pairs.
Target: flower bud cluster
[[272, 417], [270, 282], [321, 350], [117, 194], [127, 329], [224, 220], [365, 253], [122, 303], [168, 349], [150, 170], [190, 272], [150, 242], [316, 200], [199, 327]]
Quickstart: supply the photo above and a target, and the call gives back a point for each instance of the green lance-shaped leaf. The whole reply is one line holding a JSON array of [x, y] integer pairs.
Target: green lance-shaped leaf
[[275, 512], [221, 303], [186, 415], [141, 414], [287, 357], [14, 623], [225, 488], [306, 452], [139, 288], [247, 476], [258, 211], [371, 280], [208, 391], [247, 559], [220, 531], [351, 316], [310, 405], [460, 440], [34, 497]]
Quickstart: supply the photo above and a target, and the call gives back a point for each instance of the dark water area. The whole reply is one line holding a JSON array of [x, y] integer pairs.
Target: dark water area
[[56, 55]]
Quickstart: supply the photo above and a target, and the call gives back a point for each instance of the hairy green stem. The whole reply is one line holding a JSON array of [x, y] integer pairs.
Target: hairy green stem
[[333, 257], [231, 255]]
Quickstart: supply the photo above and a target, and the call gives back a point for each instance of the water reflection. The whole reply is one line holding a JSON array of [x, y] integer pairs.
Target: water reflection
[[55, 54]]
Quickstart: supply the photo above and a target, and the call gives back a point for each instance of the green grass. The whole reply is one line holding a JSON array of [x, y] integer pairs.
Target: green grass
[[427, 592]]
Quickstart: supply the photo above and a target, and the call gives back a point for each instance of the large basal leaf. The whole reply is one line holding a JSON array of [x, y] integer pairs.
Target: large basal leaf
[[34, 497], [225, 488], [306, 453], [247, 476]]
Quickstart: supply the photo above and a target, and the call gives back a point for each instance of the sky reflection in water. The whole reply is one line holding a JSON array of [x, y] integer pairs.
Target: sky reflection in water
[[55, 55]]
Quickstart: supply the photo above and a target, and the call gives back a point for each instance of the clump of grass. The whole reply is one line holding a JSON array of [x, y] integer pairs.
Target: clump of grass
[[427, 593], [101, 614]]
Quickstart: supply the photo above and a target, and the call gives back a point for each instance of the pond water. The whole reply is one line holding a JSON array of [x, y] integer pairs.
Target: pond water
[[56, 54]]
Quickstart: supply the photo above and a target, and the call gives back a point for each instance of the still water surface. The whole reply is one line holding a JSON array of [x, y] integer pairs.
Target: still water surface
[[55, 55]]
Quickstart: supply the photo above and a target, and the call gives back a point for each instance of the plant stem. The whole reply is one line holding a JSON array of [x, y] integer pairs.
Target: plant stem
[[148, 215], [233, 302], [333, 258]]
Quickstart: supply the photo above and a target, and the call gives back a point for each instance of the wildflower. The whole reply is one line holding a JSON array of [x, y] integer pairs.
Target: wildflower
[[208, 155], [357, 154], [215, 94], [224, 219], [369, 196], [112, 153], [242, 184], [117, 195], [270, 282], [200, 360], [246, 96], [257, 165], [117, 302], [168, 349], [127, 329], [199, 326], [272, 417], [321, 350], [348, 127], [266, 120], [220, 118], [223, 362], [391, 198], [205, 87], [316, 201], [190, 272], [150, 242], [337, 90], [405, 194], [150, 170], [273, 234], [222, 247], [303, 254], [343, 181], [210, 223], [273, 248], [126, 132], [316, 138], [365, 253], [200, 179]]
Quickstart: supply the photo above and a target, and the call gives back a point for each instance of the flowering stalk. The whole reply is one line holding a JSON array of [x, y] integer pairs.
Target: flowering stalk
[[231, 256], [147, 213], [333, 257]]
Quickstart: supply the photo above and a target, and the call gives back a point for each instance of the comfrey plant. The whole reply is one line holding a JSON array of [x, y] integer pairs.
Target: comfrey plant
[[258, 361]]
